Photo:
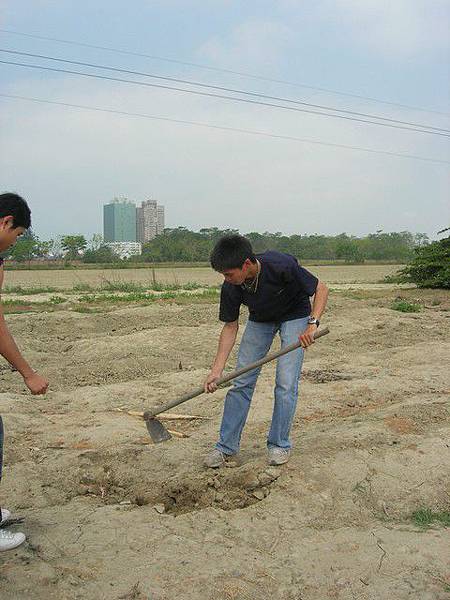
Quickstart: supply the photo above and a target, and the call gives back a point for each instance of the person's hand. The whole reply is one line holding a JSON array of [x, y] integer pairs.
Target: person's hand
[[36, 383], [307, 337], [211, 381]]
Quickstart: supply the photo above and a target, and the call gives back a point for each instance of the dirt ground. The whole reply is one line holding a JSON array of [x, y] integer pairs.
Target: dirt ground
[[110, 516]]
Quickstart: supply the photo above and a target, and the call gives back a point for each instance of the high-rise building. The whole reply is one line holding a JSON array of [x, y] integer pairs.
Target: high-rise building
[[119, 221], [149, 221]]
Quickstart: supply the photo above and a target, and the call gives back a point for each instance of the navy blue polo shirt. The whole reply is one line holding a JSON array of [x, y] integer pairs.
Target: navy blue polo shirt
[[283, 294]]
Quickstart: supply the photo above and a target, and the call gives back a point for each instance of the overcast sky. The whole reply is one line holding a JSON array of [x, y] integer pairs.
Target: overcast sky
[[69, 161]]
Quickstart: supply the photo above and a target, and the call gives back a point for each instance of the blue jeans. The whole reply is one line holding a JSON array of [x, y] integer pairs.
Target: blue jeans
[[255, 344]]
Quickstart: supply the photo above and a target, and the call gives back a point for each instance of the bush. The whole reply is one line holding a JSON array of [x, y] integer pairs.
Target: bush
[[430, 267], [104, 254], [406, 307]]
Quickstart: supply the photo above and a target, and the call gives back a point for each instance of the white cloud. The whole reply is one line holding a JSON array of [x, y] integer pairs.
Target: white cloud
[[255, 43], [398, 28]]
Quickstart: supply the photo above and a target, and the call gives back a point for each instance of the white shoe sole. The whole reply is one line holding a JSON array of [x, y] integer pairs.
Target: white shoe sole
[[17, 540]]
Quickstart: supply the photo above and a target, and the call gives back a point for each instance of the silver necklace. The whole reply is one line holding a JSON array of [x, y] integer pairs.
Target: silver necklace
[[253, 285]]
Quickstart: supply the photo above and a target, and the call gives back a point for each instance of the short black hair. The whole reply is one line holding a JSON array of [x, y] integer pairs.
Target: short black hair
[[231, 252], [15, 206]]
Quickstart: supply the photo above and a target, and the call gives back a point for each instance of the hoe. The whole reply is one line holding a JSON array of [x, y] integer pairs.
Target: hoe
[[156, 429]]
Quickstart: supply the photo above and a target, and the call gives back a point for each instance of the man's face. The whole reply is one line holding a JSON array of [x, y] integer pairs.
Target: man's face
[[9, 233], [238, 276]]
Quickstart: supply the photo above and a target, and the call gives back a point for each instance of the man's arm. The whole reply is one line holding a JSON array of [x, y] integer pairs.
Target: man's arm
[[226, 342], [9, 350], [318, 308]]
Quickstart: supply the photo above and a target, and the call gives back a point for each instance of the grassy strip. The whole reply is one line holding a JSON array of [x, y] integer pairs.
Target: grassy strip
[[425, 518], [406, 307], [29, 291], [91, 303], [108, 286], [130, 286], [14, 302], [212, 293]]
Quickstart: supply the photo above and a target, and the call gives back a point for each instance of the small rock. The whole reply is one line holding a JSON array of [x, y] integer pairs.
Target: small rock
[[252, 482], [125, 503], [160, 508], [268, 476], [87, 478], [259, 494]]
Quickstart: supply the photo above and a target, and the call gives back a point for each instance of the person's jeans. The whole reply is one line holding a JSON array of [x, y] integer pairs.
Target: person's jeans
[[255, 344]]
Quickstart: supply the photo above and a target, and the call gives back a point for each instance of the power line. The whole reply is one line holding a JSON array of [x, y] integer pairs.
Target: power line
[[220, 96], [221, 88], [224, 128], [221, 70]]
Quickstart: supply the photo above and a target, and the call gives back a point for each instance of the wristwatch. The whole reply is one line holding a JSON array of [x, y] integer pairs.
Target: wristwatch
[[313, 321]]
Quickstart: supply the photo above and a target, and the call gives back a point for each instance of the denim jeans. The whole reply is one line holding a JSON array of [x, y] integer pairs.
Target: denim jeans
[[255, 344]]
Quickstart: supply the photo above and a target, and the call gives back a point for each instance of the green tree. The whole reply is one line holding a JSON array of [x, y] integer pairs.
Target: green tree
[[430, 267], [348, 250], [103, 254], [73, 246], [45, 248], [26, 247]]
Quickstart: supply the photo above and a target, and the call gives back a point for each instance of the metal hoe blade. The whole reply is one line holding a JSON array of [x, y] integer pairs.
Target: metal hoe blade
[[157, 431]]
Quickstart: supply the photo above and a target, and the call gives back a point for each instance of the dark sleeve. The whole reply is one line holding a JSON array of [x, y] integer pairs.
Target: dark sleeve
[[307, 281], [230, 303], [1, 261]]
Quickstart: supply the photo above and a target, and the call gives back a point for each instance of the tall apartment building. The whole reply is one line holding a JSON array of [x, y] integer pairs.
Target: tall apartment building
[[119, 221], [149, 220]]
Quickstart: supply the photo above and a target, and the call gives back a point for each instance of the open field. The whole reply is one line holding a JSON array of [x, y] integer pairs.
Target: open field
[[110, 516], [204, 275]]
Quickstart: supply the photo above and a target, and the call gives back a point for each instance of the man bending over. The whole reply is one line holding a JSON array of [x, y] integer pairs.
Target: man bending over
[[277, 291]]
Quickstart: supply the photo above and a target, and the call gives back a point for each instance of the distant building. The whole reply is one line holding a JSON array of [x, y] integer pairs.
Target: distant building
[[119, 221], [125, 249], [149, 220]]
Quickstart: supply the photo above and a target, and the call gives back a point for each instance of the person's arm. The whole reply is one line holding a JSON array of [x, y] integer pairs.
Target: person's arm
[[226, 342], [9, 350], [318, 308]]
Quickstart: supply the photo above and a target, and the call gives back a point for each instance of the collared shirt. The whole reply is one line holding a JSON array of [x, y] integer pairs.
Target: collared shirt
[[283, 292]]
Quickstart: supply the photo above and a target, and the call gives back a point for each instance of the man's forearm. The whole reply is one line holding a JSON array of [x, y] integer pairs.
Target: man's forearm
[[10, 351], [320, 300], [226, 342]]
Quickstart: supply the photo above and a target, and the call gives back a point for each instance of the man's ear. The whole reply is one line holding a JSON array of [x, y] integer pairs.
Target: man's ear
[[7, 222]]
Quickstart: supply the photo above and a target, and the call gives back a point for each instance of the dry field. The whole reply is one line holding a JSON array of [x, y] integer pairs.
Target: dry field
[[68, 278], [110, 516]]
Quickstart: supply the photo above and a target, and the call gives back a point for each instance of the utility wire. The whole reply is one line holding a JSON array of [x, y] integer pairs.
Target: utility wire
[[224, 128], [220, 88], [220, 70], [221, 97]]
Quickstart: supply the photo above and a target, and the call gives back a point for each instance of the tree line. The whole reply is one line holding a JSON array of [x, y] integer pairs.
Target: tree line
[[182, 245]]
